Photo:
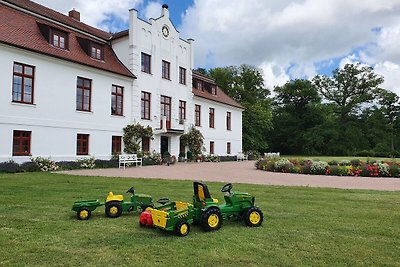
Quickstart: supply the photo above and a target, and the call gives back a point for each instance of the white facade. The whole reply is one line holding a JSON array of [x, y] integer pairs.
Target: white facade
[[147, 37], [219, 134], [53, 118]]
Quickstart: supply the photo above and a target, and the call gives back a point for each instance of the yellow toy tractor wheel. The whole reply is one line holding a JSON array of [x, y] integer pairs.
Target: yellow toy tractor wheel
[[83, 214], [254, 217], [211, 220], [182, 228], [113, 209]]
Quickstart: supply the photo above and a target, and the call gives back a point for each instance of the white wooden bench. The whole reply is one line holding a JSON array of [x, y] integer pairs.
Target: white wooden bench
[[272, 155], [129, 158], [241, 156]]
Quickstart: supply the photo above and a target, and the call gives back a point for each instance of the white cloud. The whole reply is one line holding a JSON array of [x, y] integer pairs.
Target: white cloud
[[391, 72], [95, 12], [273, 74], [152, 10], [292, 35], [286, 38]]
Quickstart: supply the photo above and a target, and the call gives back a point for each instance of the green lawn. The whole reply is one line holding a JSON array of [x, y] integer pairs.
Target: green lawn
[[303, 226]]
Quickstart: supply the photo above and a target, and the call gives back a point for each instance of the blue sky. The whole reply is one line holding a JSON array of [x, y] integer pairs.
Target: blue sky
[[286, 39]]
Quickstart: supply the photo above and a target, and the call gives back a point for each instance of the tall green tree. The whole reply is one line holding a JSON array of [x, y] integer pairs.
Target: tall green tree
[[349, 88], [245, 84], [297, 109], [390, 106]]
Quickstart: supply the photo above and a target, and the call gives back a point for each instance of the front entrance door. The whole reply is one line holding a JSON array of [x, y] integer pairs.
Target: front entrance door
[[164, 144]]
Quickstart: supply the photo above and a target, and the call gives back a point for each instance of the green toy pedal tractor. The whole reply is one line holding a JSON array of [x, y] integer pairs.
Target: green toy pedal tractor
[[178, 216], [238, 206], [114, 205]]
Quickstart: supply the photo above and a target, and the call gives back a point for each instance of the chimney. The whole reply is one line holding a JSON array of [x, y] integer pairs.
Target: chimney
[[74, 14], [165, 11]]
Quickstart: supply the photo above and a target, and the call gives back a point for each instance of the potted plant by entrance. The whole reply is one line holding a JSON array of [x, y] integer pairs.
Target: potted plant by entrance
[[166, 157], [189, 155], [181, 157]]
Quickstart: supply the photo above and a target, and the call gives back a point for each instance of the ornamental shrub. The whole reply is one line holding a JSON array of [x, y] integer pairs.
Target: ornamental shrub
[[318, 167], [355, 162], [383, 169], [86, 163], [281, 164], [345, 162], [9, 167], [338, 170], [394, 170], [45, 164], [333, 163]]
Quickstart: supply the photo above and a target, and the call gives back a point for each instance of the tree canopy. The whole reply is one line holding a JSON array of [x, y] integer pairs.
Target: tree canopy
[[245, 84], [345, 114]]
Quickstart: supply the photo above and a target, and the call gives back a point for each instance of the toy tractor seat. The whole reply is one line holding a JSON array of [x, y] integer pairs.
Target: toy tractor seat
[[201, 192], [112, 197]]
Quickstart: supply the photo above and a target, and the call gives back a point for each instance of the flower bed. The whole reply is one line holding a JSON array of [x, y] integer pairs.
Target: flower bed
[[354, 167]]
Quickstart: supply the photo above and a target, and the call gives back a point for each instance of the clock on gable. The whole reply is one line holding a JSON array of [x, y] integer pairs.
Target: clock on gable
[[165, 31]]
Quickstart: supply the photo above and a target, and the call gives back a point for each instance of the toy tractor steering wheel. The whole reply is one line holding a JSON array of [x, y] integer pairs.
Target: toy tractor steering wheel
[[131, 190], [163, 201], [227, 188]]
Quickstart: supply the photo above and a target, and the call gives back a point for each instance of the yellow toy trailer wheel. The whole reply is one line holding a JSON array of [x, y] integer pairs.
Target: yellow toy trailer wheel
[[182, 228], [254, 217], [83, 214], [113, 209], [211, 220]]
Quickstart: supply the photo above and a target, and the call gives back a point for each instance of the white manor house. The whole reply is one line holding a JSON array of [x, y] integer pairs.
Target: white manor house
[[67, 89]]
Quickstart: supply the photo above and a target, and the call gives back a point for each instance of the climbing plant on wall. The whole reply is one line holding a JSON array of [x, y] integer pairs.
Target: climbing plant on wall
[[194, 140], [133, 135]]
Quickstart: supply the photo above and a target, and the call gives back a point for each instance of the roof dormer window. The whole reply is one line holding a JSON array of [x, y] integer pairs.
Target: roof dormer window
[[96, 51], [213, 90], [58, 39]]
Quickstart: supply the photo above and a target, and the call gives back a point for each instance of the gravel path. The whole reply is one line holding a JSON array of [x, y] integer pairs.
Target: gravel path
[[243, 172]]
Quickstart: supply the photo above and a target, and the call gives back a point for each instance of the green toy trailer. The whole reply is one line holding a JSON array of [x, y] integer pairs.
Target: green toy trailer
[[114, 205], [205, 211], [175, 216]]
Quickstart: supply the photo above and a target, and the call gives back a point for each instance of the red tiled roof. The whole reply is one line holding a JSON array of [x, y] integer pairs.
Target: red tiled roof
[[22, 30], [52, 14], [120, 34], [220, 97]]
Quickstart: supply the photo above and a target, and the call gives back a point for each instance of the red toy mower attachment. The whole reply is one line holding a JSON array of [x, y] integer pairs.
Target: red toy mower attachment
[[145, 219]]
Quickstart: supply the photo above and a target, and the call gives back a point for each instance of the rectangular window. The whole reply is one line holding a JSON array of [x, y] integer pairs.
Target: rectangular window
[[166, 70], [83, 94], [146, 63], [228, 148], [166, 110], [211, 117], [116, 145], [59, 39], [146, 144], [197, 114], [96, 51], [117, 100], [200, 85], [213, 90], [212, 147], [182, 75], [82, 144], [145, 105], [182, 111], [228, 121], [21, 143], [23, 78]]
